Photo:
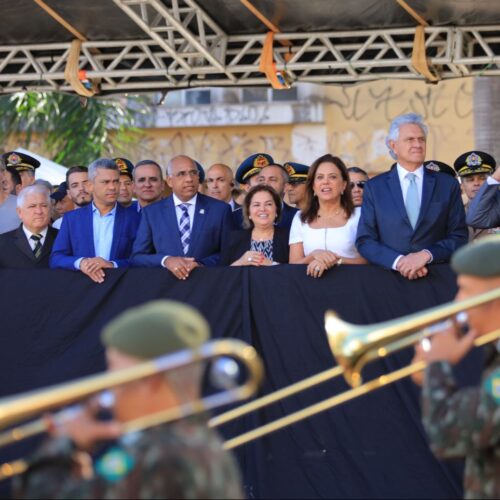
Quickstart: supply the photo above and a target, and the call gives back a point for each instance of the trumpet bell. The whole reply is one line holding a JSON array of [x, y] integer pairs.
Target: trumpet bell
[[355, 345], [348, 344]]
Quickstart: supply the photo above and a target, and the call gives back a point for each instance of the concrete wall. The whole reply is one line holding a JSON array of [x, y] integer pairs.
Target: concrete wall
[[354, 125]]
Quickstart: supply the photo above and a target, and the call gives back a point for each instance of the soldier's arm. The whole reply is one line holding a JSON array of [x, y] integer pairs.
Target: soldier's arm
[[52, 472], [198, 471], [457, 421]]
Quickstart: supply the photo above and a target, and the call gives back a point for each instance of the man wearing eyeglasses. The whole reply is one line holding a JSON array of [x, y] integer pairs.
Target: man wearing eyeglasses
[[358, 178], [185, 230]]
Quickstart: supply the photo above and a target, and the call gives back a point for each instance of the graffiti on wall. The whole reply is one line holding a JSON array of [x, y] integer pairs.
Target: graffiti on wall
[[361, 115], [356, 122]]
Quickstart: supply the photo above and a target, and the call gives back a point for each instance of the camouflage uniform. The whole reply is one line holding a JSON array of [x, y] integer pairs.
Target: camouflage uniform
[[180, 460], [466, 423]]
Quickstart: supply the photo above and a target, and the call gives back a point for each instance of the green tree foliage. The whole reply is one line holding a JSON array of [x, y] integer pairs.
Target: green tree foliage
[[75, 131]]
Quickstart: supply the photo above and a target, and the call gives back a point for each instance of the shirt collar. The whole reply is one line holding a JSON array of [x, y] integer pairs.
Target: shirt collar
[[402, 172], [178, 202], [110, 213], [28, 233]]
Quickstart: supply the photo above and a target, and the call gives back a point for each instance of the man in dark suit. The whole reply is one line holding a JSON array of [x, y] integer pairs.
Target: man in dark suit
[[29, 246], [220, 184], [100, 235], [411, 216], [185, 230]]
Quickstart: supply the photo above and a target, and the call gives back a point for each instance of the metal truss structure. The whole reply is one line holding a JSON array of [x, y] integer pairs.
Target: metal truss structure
[[183, 47]]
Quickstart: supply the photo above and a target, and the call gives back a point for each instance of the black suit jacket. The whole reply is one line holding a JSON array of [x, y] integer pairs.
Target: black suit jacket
[[239, 243], [16, 252]]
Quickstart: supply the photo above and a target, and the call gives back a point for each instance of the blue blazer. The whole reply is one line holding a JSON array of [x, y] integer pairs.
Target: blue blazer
[[76, 237], [385, 232], [158, 233]]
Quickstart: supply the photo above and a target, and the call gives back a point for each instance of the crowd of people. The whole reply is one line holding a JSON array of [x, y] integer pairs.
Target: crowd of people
[[116, 214]]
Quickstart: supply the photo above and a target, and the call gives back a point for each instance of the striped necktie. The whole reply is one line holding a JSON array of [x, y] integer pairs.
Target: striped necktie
[[185, 227], [37, 251], [412, 203]]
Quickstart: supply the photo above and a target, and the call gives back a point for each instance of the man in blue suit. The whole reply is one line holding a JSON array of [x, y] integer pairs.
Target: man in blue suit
[[99, 235], [411, 216], [185, 230]]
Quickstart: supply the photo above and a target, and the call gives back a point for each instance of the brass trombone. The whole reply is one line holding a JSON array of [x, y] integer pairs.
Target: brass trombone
[[353, 346], [14, 409]]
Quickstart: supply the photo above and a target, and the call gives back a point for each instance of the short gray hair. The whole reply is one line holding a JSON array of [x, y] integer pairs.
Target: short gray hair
[[33, 189], [105, 163], [396, 124], [170, 168], [43, 182]]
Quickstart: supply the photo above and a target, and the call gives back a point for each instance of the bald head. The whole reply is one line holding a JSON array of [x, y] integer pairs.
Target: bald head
[[220, 182], [183, 177]]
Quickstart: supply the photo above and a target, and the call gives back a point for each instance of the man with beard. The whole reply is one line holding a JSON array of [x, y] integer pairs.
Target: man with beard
[[77, 181]]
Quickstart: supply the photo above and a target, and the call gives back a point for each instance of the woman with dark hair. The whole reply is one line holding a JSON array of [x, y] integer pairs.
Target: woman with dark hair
[[324, 233], [261, 243]]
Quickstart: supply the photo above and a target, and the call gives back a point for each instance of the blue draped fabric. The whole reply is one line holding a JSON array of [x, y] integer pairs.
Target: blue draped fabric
[[373, 446]]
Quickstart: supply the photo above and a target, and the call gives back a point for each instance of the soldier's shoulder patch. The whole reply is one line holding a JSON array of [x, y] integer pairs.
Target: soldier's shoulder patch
[[492, 385], [114, 464]]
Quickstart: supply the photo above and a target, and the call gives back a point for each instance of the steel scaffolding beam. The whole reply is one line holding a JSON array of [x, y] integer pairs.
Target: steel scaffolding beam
[[184, 48]]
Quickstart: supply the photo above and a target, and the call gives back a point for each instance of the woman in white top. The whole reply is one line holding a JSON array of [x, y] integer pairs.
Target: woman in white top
[[324, 233]]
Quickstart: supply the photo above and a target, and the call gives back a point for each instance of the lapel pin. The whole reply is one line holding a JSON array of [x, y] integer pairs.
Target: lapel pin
[[202, 211]]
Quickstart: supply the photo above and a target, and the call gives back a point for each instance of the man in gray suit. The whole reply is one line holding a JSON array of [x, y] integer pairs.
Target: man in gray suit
[[484, 209]]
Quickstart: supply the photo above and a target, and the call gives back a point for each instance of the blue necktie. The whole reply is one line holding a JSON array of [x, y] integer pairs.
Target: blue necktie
[[412, 202], [185, 227]]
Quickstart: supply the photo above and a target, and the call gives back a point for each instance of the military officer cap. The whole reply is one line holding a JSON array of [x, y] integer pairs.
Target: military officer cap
[[20, 161], [251, 166], [155, 329], [439, 166], [201, 172], [126, 166], [60, 192], [475, 162], [297, 172], [479, 258]]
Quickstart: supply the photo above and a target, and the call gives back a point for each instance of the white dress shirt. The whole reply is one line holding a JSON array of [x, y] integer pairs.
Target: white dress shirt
[[58, 223], [178, 215], [492, 182], [405, 184], [179, 211], [31, 242]]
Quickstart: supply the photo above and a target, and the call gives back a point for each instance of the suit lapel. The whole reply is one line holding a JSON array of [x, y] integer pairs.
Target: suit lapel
[[397, 193], [88, 228], [200, 215], [47, 244], [117, 231], [172, 225], [22, 243], [428, 184]]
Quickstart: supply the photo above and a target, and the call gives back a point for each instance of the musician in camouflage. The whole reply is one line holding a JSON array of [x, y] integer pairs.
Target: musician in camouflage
[[183, 459], [466, 422]]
